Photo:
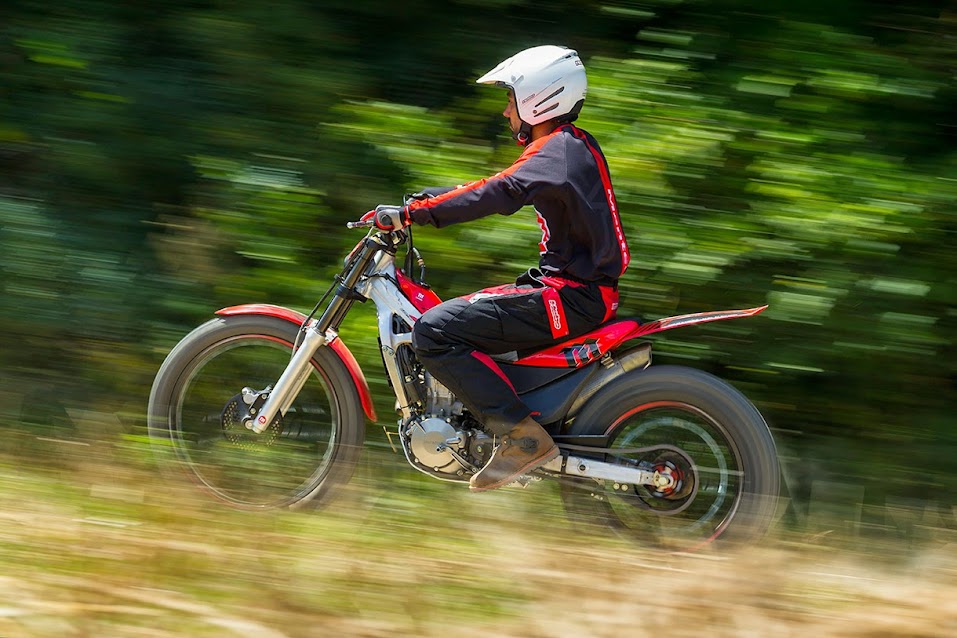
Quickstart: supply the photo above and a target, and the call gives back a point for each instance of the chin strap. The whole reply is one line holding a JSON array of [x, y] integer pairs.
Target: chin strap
[[523, 135]]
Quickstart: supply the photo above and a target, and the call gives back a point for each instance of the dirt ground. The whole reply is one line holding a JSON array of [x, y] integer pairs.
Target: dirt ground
[[125, 553]]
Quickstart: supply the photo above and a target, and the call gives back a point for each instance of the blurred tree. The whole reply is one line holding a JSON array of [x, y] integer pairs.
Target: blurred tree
[[158, 161]]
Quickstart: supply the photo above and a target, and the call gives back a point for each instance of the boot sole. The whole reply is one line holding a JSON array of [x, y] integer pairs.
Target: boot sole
[[541, 460]]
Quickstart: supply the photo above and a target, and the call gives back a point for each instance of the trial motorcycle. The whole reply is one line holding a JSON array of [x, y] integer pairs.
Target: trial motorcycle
[[264, 407]]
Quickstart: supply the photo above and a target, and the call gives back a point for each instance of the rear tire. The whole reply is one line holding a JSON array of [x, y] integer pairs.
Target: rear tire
[[298, 461], [728, 460]]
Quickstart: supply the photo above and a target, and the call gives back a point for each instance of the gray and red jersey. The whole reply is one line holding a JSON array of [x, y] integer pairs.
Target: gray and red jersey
[[565, 177]]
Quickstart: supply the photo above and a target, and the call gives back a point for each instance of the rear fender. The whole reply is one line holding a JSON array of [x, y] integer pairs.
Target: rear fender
[[292, 316], [680, 321], [625, 361]]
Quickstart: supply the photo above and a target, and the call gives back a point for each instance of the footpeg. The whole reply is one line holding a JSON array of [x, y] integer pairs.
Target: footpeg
[[524, 480]]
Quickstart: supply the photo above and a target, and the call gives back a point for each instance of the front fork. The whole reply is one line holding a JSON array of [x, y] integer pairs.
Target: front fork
[[290, 382], [315, 335]]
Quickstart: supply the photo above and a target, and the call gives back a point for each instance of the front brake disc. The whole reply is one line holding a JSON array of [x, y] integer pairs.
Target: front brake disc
[[238, 434]]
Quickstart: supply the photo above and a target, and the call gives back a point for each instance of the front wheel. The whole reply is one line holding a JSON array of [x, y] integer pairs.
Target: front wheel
[[196, 406], [705, 435]]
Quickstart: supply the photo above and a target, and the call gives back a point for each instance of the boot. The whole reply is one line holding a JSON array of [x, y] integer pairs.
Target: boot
[[525, 447]]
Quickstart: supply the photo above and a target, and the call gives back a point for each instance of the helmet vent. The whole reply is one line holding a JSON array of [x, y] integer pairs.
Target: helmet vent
[[553, 94]]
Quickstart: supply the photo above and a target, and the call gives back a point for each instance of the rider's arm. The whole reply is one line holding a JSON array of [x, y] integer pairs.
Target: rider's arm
[[541, 166], [433, 191]]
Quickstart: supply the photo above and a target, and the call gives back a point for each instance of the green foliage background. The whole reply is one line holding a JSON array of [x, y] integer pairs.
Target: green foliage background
[[161, 160]]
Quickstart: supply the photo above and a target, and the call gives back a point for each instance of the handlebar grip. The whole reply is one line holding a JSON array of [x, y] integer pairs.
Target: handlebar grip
[[360, 224]]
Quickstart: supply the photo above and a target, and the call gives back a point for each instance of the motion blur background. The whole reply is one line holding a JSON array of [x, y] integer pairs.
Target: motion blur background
[[161, 160]]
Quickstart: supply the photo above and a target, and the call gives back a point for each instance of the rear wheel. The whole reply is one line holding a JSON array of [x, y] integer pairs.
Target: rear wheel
[[708, 441], [196, 407]]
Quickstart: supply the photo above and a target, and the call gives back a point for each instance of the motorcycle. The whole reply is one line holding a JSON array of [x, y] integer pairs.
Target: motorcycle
[[264, 407]]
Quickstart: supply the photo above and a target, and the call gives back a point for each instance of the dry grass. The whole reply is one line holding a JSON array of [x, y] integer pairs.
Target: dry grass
[[105, 548]]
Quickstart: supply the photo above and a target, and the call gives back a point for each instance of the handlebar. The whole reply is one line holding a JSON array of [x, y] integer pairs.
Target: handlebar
[[408, 197], [397, 234]]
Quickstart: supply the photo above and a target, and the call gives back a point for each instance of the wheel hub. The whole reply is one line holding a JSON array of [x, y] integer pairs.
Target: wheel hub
[[236, 431], [670, 480]]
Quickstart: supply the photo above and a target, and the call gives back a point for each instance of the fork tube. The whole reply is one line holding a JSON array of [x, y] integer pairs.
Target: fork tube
[[290, 382], [345, 295], [316, 335]]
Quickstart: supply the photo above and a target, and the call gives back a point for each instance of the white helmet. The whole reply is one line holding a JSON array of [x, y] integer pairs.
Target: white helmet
[[548, 82]]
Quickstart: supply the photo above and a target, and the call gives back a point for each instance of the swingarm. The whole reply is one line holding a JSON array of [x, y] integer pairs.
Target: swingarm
[[664, 478]]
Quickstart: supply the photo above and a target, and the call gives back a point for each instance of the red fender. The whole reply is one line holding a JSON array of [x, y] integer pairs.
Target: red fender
[[337, 345]]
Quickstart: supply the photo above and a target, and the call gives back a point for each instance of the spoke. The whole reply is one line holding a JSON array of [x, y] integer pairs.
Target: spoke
[[719, 471], [236, 465]]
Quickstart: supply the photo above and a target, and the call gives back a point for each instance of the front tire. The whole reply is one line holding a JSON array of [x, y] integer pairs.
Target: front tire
[[710, 435], [298, 460]]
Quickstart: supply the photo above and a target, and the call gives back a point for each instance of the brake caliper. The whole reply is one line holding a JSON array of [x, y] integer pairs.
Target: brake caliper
[[238, 410]]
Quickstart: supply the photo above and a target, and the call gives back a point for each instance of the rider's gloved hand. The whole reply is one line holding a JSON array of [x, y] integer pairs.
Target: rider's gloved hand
[[388, 217]]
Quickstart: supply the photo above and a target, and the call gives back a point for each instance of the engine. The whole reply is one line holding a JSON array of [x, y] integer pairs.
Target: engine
[[439, 400], [444, 441], [438, 435], [444, 449]]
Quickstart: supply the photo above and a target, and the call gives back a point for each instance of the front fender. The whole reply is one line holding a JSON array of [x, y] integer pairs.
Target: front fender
[[359, 379]]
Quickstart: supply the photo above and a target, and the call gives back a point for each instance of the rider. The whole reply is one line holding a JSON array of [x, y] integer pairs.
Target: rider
[[563, 173]]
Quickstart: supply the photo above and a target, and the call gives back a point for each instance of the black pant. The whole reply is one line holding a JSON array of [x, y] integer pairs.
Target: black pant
[[454, 339]]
